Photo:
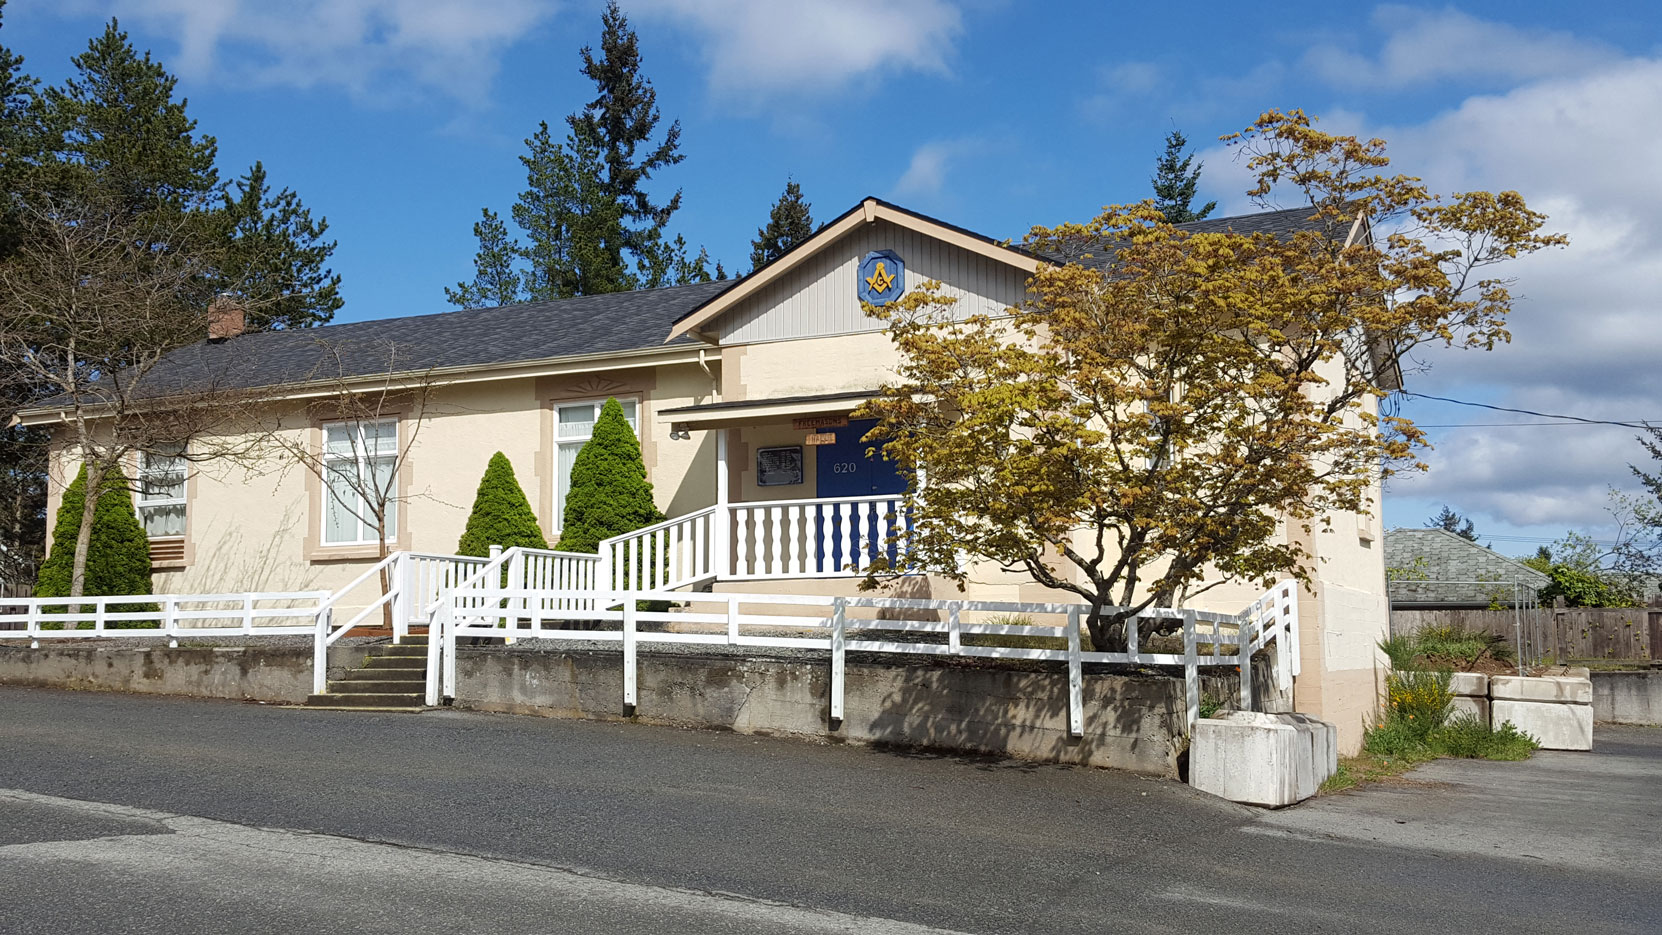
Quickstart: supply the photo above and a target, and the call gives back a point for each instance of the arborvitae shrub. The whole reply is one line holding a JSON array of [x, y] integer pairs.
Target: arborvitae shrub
[[118, 554], [501, 514], [609, 492]]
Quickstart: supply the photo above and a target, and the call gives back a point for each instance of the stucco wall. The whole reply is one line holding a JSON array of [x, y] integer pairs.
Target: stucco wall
[[254, 524]]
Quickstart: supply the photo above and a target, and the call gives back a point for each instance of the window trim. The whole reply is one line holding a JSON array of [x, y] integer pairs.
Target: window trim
[[361, 459], [556, 521]]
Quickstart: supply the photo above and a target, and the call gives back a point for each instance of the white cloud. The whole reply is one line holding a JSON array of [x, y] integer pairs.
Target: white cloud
[[1587, 321], [926, 174], [1586, 335], [1424, 46], [766, 48], [374, 49]]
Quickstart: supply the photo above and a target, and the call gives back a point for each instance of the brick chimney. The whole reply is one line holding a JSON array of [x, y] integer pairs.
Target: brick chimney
[[225, 318]]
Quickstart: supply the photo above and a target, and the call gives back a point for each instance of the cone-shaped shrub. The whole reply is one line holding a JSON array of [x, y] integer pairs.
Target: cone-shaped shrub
[[609, 492], [118, 555], [501, 514]]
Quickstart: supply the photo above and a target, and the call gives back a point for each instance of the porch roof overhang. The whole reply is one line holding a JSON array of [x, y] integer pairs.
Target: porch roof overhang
[[751, 411]]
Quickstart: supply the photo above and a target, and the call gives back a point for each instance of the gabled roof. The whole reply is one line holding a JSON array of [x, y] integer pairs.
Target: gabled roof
[[472, 338], [869, 210], [1455, 570]]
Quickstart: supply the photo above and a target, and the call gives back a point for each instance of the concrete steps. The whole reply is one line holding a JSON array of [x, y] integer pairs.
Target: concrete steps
[[393, 678]]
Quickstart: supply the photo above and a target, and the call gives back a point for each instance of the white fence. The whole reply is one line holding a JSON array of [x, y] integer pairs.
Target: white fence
[[254, 613], [1227, 640]]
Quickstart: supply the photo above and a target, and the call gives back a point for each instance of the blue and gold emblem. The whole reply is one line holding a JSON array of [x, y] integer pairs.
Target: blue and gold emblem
[[882, 277]]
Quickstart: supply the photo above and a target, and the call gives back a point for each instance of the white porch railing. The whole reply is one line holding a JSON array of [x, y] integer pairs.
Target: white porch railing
[[1230, 639], [826, 538], [675, 553]]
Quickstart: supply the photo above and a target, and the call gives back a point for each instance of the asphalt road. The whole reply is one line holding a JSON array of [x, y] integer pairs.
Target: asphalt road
[[123, 813]]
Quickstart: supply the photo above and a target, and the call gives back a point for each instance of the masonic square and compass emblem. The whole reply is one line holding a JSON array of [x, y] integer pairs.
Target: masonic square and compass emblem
[[882, 277]]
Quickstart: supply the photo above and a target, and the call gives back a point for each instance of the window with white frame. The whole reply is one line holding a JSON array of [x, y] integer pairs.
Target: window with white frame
[[358, 462], [574, 425], [161, 491]]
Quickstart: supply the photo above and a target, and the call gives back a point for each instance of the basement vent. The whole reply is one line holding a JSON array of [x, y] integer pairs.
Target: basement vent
[[167, 552]]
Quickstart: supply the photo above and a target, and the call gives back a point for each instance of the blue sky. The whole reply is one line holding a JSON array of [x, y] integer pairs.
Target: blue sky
[[399, 119]]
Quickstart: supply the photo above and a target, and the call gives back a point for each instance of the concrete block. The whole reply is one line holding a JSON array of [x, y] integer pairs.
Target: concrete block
[[1468, 704], [1632, 697], [1555, 689], [1470, 683], [1556, 726], [1271, 760]]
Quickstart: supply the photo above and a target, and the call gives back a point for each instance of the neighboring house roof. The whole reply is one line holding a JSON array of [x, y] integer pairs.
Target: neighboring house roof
[[1456, 571], [1283, 223], [479, 337]]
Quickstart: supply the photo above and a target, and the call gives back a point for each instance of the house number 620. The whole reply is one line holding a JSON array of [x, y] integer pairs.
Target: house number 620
[[844, 467]]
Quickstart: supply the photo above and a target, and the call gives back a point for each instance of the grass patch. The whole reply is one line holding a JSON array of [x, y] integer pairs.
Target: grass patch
[[1465, 648], [1415, 726]]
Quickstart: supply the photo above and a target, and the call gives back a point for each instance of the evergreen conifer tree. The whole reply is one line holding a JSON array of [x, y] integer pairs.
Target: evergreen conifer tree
[[609, 493], [118, 128], [1174, 182], [118, 555], [789, 224], [622, 117], [276, 256], [495, 280], [501, 514]]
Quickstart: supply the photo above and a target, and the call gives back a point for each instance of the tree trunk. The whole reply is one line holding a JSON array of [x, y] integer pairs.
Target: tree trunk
[[83, 535], [386, 575]]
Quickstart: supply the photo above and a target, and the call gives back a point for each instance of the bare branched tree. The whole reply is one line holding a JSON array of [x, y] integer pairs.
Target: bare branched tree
[[359, 387], [92, 304]]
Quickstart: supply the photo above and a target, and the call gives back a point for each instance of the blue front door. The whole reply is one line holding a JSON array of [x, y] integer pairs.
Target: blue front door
[[843, 470]]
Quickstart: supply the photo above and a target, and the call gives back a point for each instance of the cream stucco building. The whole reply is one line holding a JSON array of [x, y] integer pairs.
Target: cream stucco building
[[724, 382]]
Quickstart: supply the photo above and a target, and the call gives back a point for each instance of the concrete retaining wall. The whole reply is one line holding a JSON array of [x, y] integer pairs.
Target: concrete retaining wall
[[1628, 697], [1131, 722], [275, 674]]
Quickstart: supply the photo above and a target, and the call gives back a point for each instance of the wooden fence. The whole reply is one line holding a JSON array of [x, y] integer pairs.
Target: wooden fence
[[1557, 633]]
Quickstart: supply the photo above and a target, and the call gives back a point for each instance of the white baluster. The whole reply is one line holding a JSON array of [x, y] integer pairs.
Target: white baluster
[[794, 535], [700, 534], [776, 563], [741, 550], [825, 518], [850, 513]]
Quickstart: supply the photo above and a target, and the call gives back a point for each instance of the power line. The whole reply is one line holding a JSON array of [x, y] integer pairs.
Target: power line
[[1529, 412], [1494, 425]]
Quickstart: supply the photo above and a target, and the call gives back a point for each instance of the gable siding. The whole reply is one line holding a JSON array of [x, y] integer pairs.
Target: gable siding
[[820, 297]]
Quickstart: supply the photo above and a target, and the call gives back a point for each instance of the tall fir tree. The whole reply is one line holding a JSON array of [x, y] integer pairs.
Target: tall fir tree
[[590, 226], [276, 256], [1174, 182], [501, 515], [495, 280], [22, 449], [609, 493], [117, 128], [118, 554], [622, 118], [21, 140], [789, 224]]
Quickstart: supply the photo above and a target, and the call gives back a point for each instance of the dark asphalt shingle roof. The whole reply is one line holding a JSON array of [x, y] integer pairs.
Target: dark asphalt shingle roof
[[504, 335], [1456, 570], [620, 321], [1283, 223]]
